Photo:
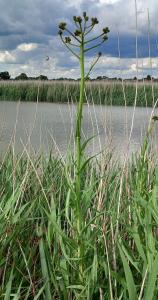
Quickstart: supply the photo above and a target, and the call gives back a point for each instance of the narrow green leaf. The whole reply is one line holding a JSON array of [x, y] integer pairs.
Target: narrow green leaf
[[153, 276], [129, 277]]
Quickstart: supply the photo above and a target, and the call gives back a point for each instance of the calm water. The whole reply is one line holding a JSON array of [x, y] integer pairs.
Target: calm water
[[51, 126]]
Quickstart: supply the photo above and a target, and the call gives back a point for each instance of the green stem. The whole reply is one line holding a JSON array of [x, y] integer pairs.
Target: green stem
[[79, 158], [94, 46]]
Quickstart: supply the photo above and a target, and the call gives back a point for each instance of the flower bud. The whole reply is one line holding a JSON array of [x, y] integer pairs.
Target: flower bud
[[67, 40], [106, 30], [105, 38], [155, 118], [79, 20], [60, 32], [62, 26], [94, 21], [84, 14], [77, 32], [99, 54]]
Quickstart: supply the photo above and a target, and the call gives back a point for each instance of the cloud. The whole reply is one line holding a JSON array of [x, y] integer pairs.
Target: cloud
[[28, 33], [6, 57], [27, 47]]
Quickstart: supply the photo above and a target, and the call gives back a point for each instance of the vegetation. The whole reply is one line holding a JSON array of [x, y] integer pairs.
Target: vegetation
[[23, 76], [99, 92], [4, 75], [38, 228], [78, 227], [79, 39]]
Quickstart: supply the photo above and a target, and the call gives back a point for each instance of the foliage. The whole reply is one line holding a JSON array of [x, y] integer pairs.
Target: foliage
[[4, 75], [79, 228], [42, 77], [78, 39], [22, 76], [38, 228], [98, 92]]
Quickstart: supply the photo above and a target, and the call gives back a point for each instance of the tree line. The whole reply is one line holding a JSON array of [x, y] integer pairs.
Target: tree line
[[6, 76]]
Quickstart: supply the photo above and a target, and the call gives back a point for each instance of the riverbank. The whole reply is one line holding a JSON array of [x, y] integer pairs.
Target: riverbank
[[98, 92], [39, 246]]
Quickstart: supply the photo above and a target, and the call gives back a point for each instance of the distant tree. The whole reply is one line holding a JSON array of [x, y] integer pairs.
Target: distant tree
[[135, 78], [42, 77], [148, 77], [4, 75], [32, 78], [22, 76]]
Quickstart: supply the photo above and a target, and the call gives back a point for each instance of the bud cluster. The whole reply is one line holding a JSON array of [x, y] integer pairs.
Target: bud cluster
[[67, 40], [62, 26], [86, 18], [82, 30], [94, 21], [77, 32], [105, 38], [106, 30], [77, 19]]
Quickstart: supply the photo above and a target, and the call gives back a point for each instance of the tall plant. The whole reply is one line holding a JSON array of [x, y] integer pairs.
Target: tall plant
[[78, 43], [78, 39]]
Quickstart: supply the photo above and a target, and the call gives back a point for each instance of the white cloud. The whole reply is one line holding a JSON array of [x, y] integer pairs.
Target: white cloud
[[27, 47], [36, 30], [107, 66], [109, 1], [6, 57]]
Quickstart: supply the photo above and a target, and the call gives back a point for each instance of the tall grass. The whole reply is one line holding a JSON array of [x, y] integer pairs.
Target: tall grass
[[101, 92], [38, 237], [80, 228]]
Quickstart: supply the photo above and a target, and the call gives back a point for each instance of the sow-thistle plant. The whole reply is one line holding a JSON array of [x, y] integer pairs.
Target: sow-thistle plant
[[78, 43]]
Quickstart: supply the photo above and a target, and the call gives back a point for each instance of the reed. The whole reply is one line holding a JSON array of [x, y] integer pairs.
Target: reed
[[105, 93], [38, 234], [79, 228]]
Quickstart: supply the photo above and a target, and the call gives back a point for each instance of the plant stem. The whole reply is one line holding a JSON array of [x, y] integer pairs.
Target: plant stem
[[79, 158]]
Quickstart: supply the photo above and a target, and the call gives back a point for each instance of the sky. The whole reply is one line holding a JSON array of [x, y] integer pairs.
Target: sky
[[29, 33]]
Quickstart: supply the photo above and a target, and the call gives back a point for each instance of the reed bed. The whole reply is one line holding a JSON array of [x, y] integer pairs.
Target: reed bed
[[38, 239], [104, 92]]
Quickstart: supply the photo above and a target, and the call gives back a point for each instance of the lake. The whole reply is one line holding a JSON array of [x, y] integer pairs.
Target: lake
[[45, 126]]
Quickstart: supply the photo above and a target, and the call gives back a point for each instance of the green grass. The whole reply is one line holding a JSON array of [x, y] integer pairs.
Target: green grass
[[38, 234], [98, 92]]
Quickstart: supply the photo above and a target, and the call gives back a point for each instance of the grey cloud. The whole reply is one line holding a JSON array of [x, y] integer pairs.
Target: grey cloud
[[35, 21]]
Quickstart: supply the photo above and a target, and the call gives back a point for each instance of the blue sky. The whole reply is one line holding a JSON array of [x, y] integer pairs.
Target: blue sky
[[28, 33]]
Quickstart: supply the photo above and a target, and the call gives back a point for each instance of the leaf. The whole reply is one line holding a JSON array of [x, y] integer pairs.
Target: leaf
[[86, 162], [94, 267], [78, 287], [129, 277], [86, 142], [40, 292], [9, 286], [44, 269], [67, 206], [149, 291], [138, 244]]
